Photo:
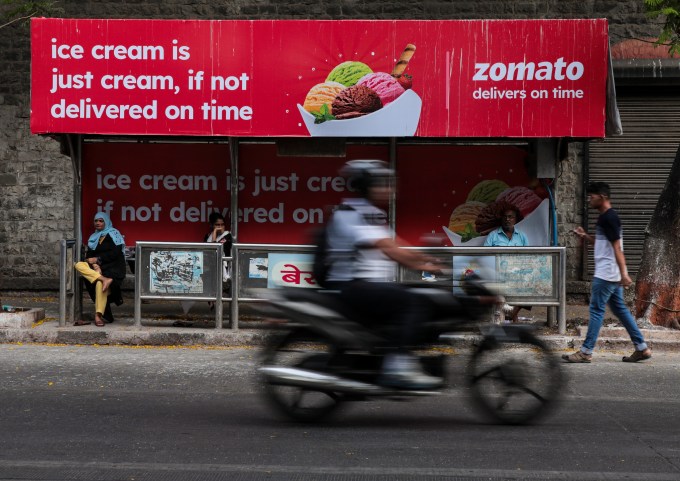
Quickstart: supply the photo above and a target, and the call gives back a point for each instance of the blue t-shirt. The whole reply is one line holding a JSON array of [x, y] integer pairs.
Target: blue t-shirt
[[497, 238]]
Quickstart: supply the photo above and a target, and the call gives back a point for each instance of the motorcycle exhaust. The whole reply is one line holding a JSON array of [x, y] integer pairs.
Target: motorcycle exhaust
[[292, 376]]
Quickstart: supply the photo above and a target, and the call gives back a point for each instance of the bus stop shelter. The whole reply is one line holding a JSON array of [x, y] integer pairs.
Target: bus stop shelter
[[167, 121]]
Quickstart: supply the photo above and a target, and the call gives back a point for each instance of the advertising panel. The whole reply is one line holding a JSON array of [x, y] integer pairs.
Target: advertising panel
[[285, 198], [165, 192], [354, 78], [457, 189], [155, 192]]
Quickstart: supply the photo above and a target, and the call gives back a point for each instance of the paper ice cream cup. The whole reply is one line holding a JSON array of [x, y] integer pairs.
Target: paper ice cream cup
[[397, 119]]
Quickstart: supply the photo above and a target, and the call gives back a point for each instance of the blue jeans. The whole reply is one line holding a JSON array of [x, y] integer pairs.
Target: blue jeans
[[603, 293]]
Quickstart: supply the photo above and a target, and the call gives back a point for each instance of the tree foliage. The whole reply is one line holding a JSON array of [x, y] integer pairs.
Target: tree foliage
[[20, 11], [669, 12]]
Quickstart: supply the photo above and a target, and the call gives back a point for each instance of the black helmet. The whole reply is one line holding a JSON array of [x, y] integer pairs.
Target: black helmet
[[364, 174]]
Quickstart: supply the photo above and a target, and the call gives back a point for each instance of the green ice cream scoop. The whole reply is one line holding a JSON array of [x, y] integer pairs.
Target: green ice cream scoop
[[348, 73], [487, 191]]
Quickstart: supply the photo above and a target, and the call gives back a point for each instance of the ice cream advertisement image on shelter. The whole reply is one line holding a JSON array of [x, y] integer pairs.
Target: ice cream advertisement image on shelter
[[354, 101], [473, 220]]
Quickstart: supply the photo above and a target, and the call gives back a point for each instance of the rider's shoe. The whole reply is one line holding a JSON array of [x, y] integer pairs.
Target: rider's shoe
[[404, 371]]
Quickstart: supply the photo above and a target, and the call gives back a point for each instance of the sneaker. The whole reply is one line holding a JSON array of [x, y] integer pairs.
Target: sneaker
[[404, 371], [578, 357], [638, 356]]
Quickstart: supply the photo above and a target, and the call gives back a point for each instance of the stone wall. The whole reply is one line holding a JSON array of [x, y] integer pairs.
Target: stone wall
[[36, 205], [569, 192]]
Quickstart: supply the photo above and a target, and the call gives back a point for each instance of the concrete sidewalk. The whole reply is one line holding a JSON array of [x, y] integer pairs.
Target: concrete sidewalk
[[165, 324]]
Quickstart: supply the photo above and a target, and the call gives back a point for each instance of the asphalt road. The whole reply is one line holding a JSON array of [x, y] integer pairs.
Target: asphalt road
[[109, 413]]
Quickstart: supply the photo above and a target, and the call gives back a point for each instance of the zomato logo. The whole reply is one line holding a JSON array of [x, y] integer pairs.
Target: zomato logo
[[557, 70]]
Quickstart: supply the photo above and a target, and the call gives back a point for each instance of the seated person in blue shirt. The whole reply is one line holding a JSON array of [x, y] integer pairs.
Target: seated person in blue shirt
[[507, 235]]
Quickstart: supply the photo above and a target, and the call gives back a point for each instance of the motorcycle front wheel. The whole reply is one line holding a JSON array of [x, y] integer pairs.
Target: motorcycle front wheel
[[304, 350], [514, 380]]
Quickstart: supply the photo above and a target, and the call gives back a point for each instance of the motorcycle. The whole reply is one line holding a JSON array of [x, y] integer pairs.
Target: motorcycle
[[322, 358]]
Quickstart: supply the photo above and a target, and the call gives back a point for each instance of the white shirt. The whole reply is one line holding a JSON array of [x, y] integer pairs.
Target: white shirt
[[352, 236], [607, 231]]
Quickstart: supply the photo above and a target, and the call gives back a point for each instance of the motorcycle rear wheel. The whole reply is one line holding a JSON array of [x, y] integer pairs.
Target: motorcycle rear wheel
[[305, 350], [514, 382]]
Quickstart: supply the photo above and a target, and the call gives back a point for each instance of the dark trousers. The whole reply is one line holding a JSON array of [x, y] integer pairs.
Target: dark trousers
[[385, 304]]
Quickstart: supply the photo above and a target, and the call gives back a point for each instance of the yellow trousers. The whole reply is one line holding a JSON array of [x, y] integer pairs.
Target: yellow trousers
[[91, 276]]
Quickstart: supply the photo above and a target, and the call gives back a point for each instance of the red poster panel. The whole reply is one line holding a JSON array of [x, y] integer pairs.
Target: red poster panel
[[165, 192], [355, 78], [449, 186], [156, 192], [285, 198]]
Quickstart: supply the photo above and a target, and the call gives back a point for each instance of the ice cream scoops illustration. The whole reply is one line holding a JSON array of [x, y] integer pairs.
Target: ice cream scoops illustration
[[487, 190], [368, 104], [463, 218], [387, 87], [320, 95], [348, 73], [490, 216], [355, 101], [525, 199], [480, 213]]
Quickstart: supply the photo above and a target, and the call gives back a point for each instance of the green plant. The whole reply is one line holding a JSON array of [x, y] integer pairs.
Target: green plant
[[13, 11], [669, 10]]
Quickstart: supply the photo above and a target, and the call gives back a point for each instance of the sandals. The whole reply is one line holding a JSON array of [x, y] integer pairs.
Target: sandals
[[81, 322], [638, 356], [99, 322], [578, 357]]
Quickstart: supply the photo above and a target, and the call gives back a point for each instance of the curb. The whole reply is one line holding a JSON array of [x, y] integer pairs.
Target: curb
[[163, 337], [554, 343], [568, 343], [650, 335], [155, 337], [611, 339]]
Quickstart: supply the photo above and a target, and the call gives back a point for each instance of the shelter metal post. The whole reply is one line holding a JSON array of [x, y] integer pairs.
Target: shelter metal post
[[233, 306], [235, 287], [219, 262], [75, 143], [138, 278], [66, 282]]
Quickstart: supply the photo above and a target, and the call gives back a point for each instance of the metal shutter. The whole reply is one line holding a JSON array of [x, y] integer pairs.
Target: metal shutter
[[636, 166]]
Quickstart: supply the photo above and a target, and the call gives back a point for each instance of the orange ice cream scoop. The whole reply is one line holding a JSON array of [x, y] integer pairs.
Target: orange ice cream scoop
[[464, 215], [320, 95]]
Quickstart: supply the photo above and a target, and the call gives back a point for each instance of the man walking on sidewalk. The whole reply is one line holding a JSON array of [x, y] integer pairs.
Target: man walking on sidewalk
[[611, 276]]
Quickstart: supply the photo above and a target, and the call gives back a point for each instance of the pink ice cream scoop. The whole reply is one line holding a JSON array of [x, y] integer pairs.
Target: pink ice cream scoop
[[386, 86], [525, 199]]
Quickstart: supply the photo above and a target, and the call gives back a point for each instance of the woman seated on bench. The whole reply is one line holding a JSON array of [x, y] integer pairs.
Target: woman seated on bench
[[103, 268]]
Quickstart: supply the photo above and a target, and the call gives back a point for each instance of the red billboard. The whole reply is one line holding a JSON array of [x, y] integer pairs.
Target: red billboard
[[353, 78]]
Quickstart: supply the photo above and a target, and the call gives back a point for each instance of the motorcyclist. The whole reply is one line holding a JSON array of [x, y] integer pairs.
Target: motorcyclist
[[363, 255]]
